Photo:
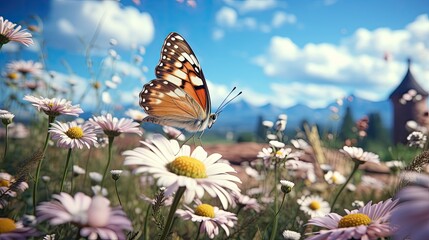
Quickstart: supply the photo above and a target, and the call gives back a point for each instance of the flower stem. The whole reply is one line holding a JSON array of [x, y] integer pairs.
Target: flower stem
[[146, 222], [5, 143], [276, 204], [199, 231], [39, 165], [173, 208], [111, 138], [117, 193], [65, 169], [355, 168]]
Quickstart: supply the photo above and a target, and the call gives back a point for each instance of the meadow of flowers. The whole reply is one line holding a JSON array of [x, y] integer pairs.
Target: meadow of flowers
[[104, 177]]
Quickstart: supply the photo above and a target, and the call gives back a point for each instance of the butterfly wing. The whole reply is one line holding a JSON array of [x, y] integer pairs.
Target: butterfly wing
[[179, 65], [168, 104]]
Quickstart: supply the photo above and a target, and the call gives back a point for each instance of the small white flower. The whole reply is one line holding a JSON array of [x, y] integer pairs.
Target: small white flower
[[267, 124], [314, 206], [97, 190], [78, 170], [113, 42], [300, 144], [358, 204], [291, 235], [276, 144], [334, 177], [95, 176]]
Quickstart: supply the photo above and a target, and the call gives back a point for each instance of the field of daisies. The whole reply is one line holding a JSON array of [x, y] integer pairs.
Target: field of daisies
[[63, 176]]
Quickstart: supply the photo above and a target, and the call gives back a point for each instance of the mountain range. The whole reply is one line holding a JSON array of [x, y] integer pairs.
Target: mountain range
[[242, 116]]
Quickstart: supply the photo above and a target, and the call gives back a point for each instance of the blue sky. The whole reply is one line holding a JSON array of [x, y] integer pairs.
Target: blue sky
[[279, 52]]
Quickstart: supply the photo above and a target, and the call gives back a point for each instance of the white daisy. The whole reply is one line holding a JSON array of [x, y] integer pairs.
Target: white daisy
[[176, 167], [334, 177], [358, 155], [291, 235], [314, 206], [211, 218]]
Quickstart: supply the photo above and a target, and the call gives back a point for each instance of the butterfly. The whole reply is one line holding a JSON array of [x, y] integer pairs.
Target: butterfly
[[179, 96]]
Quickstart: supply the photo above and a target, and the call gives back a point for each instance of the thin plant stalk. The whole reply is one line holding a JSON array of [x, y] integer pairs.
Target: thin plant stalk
[[65, 169], [39, 165], [117, 193], [355, 168], [109, 159], [173, 208], [199, 231], [276, 204], [146, 222], [5, 143]]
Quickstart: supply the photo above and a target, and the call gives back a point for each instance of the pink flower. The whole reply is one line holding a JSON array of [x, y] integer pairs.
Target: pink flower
[[93, 216], [211, 218], [73, 135], [8, 32], [368, 222], [113, 126], [412, 214], [9, 187], [12, 230], [54, 106], [25, 67]]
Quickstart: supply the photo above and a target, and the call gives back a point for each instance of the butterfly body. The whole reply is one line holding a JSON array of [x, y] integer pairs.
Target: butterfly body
[[179, 96]]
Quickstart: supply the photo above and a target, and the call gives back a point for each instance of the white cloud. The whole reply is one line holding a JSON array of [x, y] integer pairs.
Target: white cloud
[[226, 16], [357, 63], [71, 20], [218, 34], [124, 68], [252, 5], [281, 18]]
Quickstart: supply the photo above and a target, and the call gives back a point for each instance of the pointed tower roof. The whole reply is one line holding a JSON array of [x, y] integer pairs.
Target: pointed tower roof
[[409, 82]]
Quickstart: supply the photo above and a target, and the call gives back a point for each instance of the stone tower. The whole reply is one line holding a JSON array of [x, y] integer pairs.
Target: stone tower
[[409, 102]]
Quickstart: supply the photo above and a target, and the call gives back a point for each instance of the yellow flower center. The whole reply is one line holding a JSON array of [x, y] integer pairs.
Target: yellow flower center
[[75, 132], [96, 85], [12, 75], [354, 220], [205, 210], [50, 105], [188, 166], [314, 205], [4, 183], [7, 225], [334, 179]]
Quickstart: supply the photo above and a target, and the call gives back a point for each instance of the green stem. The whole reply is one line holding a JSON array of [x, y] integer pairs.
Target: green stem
[[199, 231], [276, 204], [173, 208], [117, 193], [86, 167], [39, 165], [146, 223], [111, 138], [65, 169], [355, 168], [281, 204], [5, 144]]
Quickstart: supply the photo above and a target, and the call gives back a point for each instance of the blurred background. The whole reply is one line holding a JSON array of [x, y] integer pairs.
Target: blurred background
[[325, 62]]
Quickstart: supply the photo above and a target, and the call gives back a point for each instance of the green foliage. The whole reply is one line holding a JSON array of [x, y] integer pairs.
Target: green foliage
[[347, 125], [246, 137]]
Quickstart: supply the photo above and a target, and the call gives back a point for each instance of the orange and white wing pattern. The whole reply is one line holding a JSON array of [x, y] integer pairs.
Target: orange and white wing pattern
[[179, 65], [167, 104], [179, 97]]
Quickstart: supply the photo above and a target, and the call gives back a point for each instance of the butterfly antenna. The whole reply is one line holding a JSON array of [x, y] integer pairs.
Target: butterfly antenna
[[227, 96], [222, 106]]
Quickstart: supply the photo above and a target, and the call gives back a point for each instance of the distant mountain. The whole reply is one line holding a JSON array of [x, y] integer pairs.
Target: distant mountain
[[242, 116]]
